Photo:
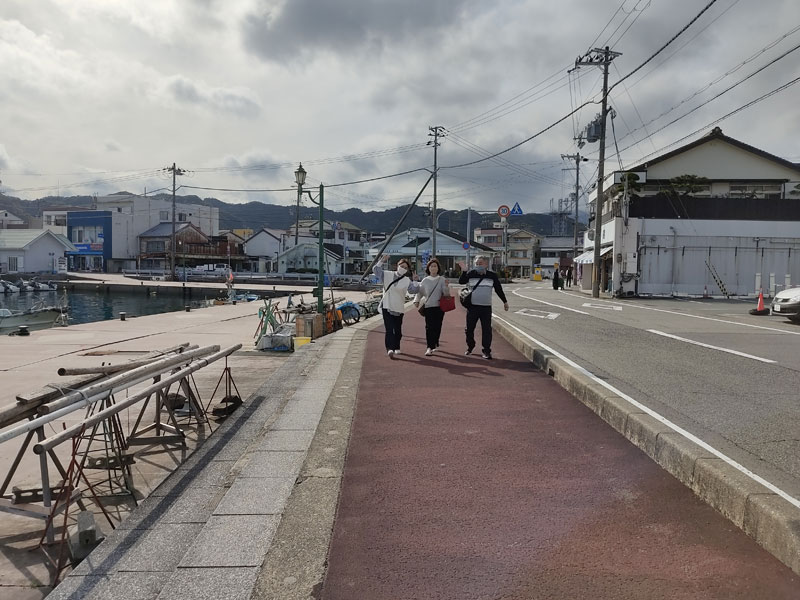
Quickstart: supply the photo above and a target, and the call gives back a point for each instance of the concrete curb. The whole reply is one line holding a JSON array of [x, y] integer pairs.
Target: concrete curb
[[766, 517]]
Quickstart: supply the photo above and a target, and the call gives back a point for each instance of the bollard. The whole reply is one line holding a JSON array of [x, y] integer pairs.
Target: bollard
[[188, 308], [23, 330], [234, 302], [122, 316]]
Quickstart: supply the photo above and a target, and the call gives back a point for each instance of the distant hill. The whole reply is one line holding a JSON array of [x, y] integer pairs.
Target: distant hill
[[254, 215]]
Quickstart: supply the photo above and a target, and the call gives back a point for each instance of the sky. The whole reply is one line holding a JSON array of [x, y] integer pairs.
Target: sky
[[101, 96]]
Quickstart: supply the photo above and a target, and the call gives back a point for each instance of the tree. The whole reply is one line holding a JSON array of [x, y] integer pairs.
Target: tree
[[795, 191], [689, 184]]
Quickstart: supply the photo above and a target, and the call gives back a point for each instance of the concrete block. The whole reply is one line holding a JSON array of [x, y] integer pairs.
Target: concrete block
[[161, 549], [273, 464], [232, 541], [775, 524], [594, 395], [614, 411], [256, 496], [724, 488], [678, 456], [643, 430], [210, 583]]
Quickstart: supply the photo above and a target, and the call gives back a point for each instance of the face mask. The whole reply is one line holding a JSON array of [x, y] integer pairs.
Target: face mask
[[480, 269], [401, 270]]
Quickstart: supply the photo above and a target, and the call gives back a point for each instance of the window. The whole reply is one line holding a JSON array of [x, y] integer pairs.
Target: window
[[13, 265], [163, 216], [755, 191], [155, 246], [48, 220], [61, 220], [80, 236], [182, 217]]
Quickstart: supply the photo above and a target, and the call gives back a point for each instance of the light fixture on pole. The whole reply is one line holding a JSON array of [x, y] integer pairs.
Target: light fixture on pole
[[300, 178]]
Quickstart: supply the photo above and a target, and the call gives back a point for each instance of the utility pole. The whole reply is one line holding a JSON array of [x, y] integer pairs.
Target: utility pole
[[469, 234], [600, 58], [435, 132], [578, 159], [175, 172], [297, 212]]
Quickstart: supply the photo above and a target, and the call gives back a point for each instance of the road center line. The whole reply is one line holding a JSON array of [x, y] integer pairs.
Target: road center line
[[689, 436], [728, 350], [680, 314], [516, 292]]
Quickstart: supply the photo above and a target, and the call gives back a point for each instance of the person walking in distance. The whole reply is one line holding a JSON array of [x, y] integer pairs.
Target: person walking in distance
[[569, 276], [433, 287], [392, 305], [481, 281]]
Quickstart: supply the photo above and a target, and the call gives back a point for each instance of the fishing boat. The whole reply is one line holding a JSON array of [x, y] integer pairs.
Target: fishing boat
[[7, 288], [25, 286], [42, 286], [33, 318]]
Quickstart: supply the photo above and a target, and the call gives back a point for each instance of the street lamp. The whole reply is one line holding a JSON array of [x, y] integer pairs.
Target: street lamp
[[300, 178]]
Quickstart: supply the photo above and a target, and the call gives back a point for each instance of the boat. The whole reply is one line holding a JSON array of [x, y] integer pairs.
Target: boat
[[24, 286], [41, 286], [7, 287], [36, 317]]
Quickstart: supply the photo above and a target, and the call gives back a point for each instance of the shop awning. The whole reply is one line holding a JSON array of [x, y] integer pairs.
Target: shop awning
[[588, 256]]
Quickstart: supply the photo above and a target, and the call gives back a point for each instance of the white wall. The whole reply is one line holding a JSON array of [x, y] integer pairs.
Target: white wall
[[263, 244], [36, 257]]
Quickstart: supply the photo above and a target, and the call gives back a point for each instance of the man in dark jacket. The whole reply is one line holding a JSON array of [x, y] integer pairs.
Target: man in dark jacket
[[481, 281]]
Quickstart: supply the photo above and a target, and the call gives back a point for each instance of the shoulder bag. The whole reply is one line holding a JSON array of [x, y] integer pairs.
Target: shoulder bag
[[421, 309], [465, 295]]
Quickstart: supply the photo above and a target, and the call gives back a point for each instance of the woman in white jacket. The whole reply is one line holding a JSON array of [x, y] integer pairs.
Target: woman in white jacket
[[392, 305]]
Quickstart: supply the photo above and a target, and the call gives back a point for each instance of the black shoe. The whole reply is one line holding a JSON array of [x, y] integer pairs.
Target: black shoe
[[486, 355]]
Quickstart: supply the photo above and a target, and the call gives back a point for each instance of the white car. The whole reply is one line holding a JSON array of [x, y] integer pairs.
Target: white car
[[787, 303]]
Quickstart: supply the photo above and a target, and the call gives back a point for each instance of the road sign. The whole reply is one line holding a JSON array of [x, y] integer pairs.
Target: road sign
[[539, 314], [503, 211], [516, 211], [465, 245]]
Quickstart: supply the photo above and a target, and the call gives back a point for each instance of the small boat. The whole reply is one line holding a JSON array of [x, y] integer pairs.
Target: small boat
[[25, 286], [37, 317], [41, 286], [247, 297], [7, 288]]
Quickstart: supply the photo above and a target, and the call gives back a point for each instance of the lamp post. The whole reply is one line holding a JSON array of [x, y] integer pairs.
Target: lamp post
[[300, 178]]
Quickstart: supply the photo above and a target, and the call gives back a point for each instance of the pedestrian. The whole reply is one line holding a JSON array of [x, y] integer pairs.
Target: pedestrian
[[556, 279], [481, 281], [392, 305], [433, 288], [569, 276]]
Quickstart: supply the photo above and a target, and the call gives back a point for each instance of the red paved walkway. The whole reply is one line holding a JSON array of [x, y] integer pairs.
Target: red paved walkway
[[473, 479]]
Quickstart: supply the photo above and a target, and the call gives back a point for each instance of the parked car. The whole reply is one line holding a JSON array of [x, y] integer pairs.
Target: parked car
[[787, 303]]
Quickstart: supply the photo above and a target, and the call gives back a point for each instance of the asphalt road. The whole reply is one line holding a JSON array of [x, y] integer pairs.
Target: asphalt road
[[730, 378]]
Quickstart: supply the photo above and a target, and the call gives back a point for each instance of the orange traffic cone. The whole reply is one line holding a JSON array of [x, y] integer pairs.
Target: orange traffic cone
[[760, 310]]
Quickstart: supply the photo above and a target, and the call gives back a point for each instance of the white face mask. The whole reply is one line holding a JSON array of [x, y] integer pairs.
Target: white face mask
[[401, 270]]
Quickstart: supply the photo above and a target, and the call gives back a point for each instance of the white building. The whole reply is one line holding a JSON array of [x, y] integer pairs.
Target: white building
[[517, 249], [263, 248], [715, 216], [31, 250], [10, 221]]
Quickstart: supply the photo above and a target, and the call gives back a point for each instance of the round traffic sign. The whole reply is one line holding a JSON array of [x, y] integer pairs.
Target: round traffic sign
[[465, 245], [503, 211]]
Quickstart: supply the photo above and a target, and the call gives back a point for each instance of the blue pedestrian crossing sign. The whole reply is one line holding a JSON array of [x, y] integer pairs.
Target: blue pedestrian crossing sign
[[516, 211]]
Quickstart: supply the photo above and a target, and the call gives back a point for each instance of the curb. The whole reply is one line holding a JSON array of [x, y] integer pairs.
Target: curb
[[769, 519]]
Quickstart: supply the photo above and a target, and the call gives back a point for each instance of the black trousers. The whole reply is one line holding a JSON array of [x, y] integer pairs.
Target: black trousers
[[484, 315], [394, 329], [434, 316]]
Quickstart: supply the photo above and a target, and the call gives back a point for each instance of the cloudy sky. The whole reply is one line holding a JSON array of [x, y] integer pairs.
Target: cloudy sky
[[99, 96]]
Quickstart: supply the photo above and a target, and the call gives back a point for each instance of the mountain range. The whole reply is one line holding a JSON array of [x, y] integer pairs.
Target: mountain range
[[254, 215]]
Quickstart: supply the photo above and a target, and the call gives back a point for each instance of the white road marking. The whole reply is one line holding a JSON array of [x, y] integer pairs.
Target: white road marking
[[601, 306], [541, 314], [689, 436], [728, 350], [680, 314], [516, 292]]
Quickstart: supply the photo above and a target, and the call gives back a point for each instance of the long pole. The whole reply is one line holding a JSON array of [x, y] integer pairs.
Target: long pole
[[469, 235], [598, 208], [297, 212], [321, 283], [577, 188], [437, 131], [172, 243]]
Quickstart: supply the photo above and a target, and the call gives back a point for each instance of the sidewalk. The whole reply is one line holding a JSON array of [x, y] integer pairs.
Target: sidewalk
[[352, 476], [475, 479]]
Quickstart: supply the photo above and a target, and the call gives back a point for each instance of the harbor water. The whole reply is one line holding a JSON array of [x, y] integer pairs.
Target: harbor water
[[90, 306]]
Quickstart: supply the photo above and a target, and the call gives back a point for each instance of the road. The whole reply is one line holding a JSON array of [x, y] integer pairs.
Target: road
[[725, 376]]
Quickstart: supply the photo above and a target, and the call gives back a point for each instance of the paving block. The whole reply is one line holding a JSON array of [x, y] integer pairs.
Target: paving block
[[643, 430], [273, 464], [161, 549], [678, 456], [256, 496], [287, 441], [223, 583], [232, 541]]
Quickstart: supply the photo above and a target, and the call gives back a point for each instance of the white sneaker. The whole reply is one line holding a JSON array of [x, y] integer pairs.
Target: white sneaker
[[397, 351], [429, 351], [433, 350], [390, 353]]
